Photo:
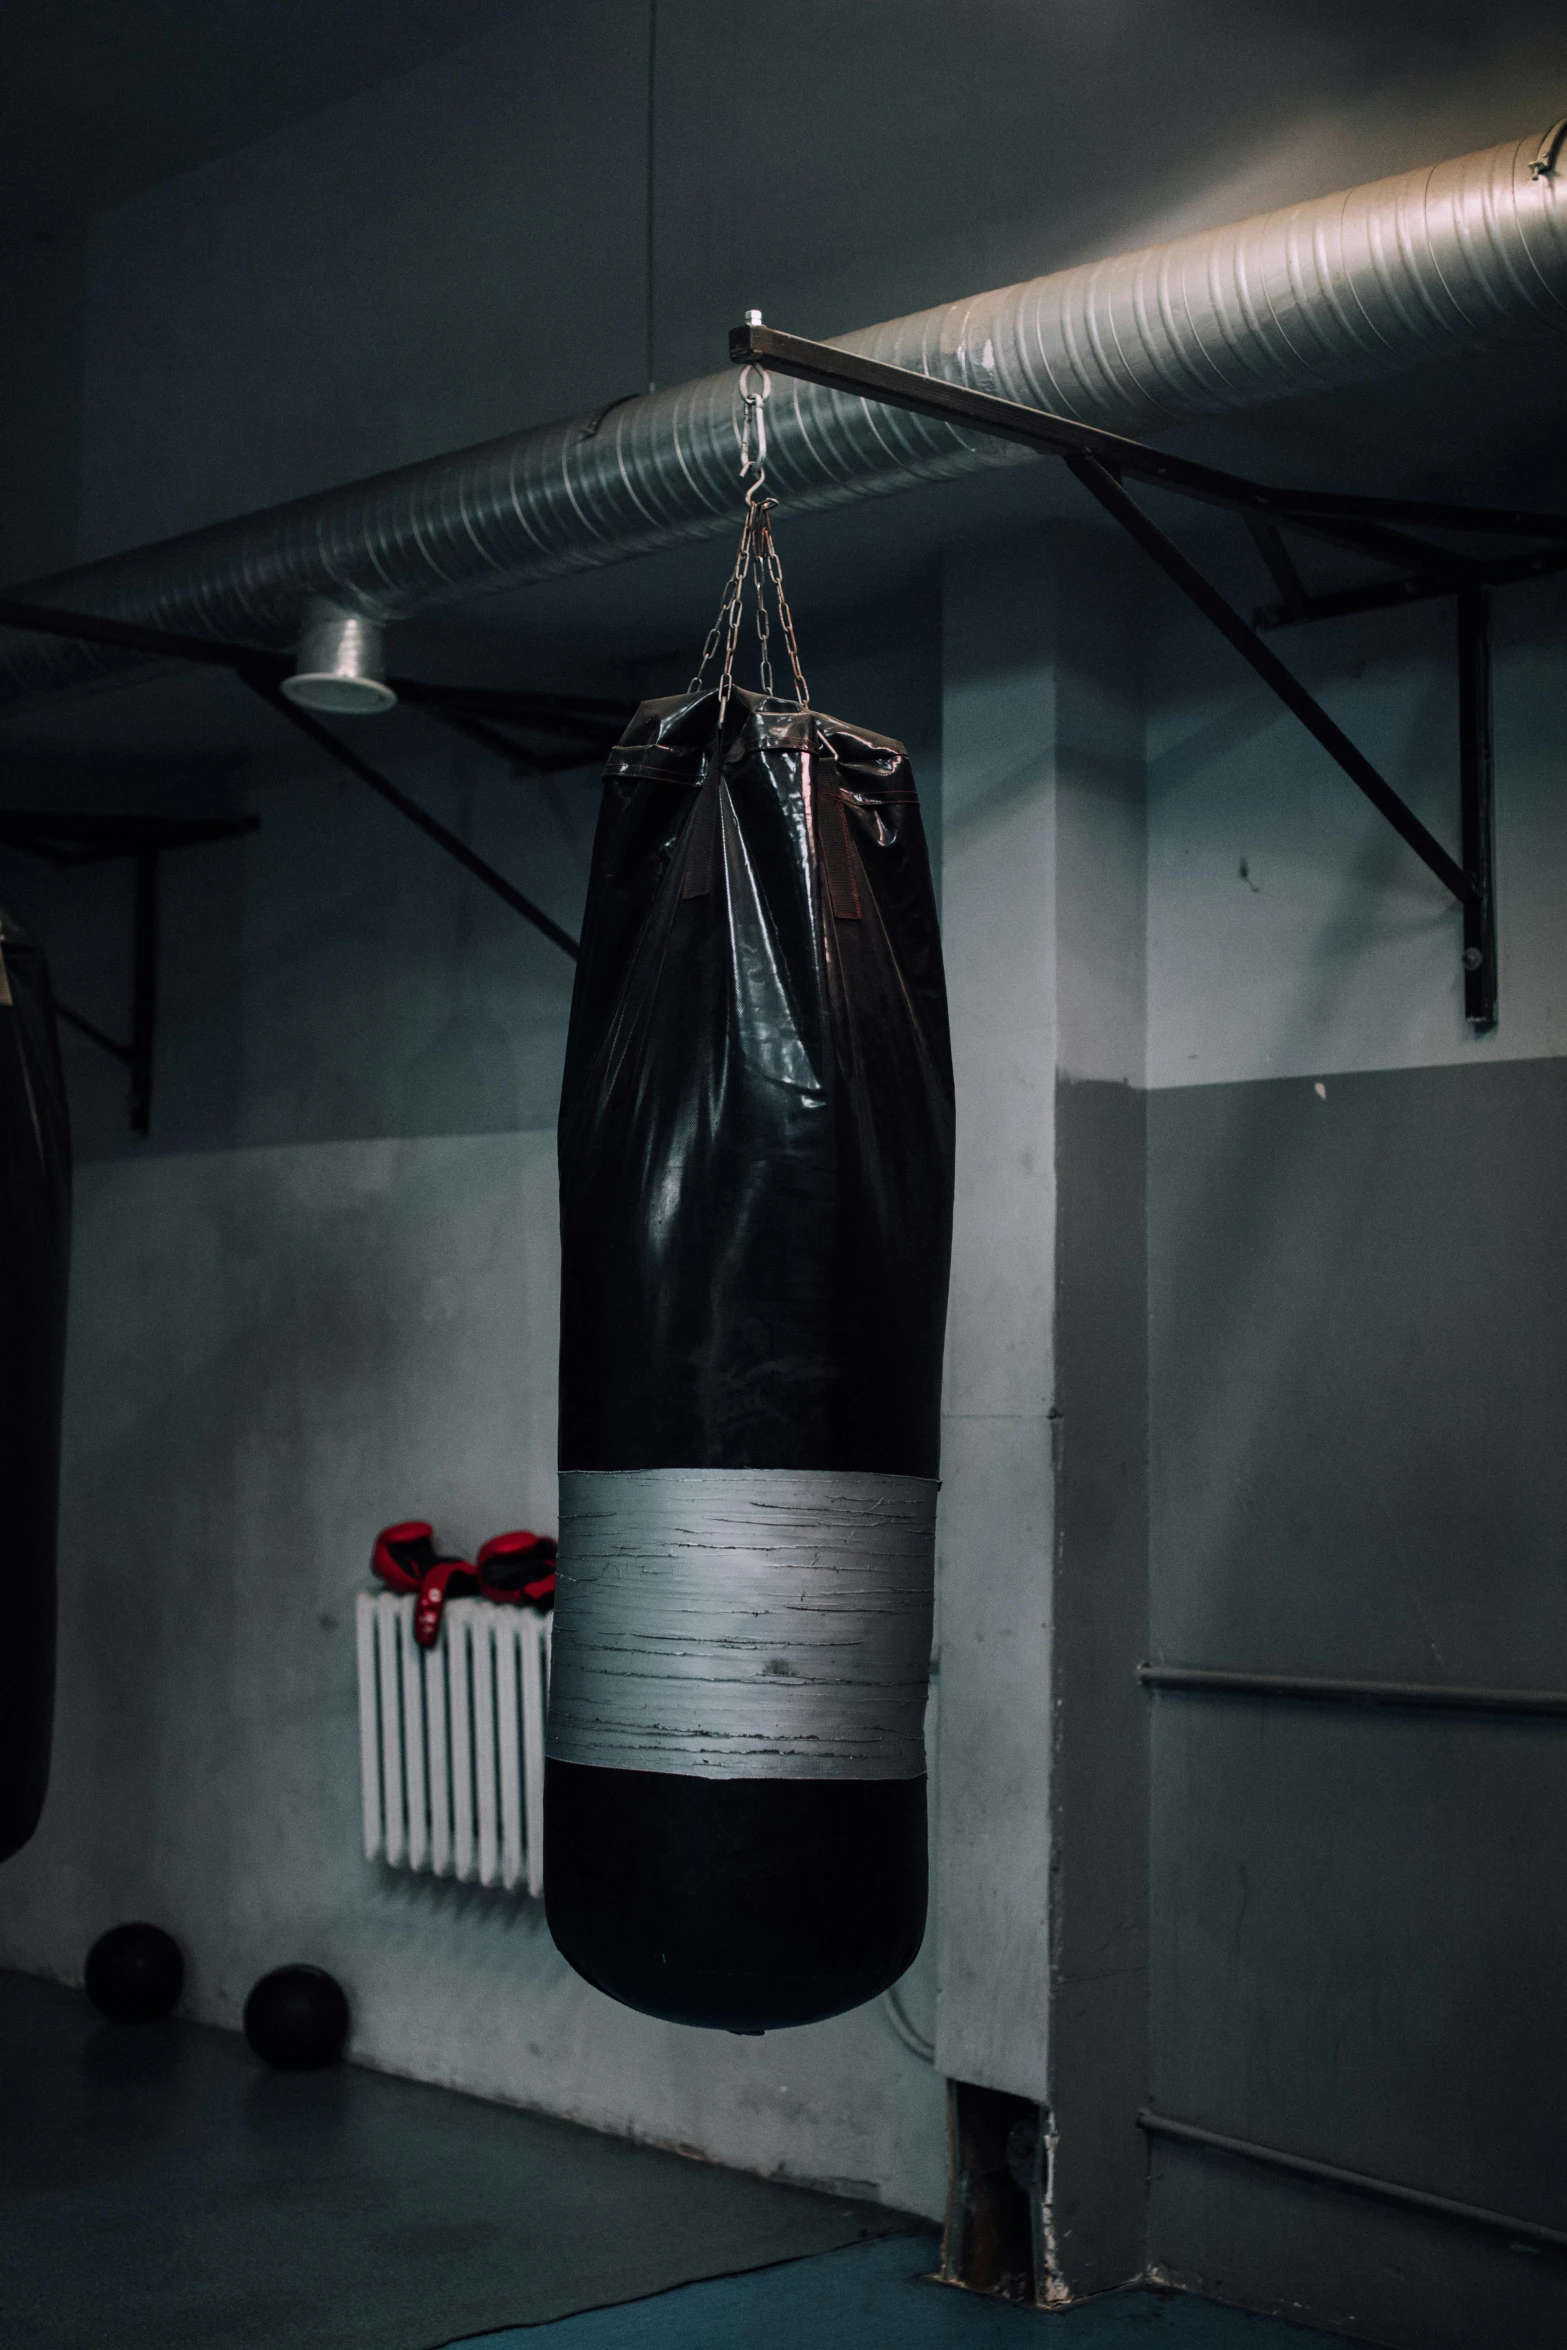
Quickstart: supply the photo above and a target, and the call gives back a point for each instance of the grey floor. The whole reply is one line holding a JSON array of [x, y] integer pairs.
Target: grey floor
[[160, 2190]]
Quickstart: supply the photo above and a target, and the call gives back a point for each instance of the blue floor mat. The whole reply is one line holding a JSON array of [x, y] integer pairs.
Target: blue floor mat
[[878, 2297]]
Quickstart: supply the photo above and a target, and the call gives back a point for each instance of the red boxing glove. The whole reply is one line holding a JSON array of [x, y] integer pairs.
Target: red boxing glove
[[518, 1570], [404, 1556]]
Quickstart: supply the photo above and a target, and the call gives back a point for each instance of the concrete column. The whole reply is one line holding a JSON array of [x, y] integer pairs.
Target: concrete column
[[998, 1499], [1041, 1781], [1099, 1783]]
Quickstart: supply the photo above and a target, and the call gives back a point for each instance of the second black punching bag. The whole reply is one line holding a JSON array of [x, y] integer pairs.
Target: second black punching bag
[[756, 1194], [35, 1239]]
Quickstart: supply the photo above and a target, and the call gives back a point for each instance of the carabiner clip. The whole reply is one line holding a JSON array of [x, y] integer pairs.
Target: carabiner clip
[[753, 423]]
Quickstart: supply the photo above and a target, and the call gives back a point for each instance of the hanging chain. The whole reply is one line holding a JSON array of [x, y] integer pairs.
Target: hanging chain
[[791, 646], [756, 561], [726, 627], [725, 631]]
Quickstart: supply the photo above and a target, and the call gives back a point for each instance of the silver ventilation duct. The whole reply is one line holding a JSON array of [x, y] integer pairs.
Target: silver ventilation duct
[[1461, 255]]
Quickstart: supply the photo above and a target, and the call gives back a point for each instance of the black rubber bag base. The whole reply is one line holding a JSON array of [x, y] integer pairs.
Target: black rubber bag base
[[741, 1904]]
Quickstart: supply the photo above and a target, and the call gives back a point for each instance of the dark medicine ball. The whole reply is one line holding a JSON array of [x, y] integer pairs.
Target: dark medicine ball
[[297, 2018], [134, 1973]]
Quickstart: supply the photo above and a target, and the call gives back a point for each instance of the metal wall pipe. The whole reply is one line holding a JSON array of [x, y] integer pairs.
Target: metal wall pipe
[[1328, 1689], [1461, 255], [1359, 2182]]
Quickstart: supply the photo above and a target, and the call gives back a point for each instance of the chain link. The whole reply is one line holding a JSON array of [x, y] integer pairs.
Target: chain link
[[791, 645]]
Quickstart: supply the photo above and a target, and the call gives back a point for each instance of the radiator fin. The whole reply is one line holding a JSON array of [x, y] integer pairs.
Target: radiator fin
[[451, 1740]]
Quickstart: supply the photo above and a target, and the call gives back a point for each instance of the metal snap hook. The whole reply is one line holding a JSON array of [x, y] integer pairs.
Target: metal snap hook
[[753, 422]]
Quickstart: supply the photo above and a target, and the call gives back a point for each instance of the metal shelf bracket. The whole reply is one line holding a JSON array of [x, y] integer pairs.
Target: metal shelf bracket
[[577, 729], [68, 839]]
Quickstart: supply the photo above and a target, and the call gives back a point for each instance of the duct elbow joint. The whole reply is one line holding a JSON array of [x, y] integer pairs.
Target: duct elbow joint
[[338, 668]]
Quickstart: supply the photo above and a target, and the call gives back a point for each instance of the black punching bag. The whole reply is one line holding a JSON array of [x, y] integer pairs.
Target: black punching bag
[[756, 1202], [35, 1242]]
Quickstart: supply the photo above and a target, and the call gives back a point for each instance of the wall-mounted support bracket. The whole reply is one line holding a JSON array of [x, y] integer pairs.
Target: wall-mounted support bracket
[[1389, 531], [69, 839], [1475, 777], [576, 728], [430, 826]]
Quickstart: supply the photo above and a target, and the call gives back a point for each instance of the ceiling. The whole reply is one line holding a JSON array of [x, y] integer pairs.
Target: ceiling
[[102, 99]]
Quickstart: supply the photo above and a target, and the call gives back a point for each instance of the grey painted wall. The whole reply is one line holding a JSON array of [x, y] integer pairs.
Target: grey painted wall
[[1356, 1383], [1356, 1367], [1358, 1378]]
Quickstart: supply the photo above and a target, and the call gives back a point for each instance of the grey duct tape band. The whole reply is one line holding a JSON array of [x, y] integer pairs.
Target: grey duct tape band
[[743, 1623]]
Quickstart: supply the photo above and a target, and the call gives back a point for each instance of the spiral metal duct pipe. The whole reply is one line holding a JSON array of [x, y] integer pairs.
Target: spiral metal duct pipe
[[1459, 255]]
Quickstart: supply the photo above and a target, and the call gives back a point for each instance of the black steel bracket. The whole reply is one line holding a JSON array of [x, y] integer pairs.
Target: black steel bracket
[[576, 728], [430, 825], [1392, 532], [68, 839]]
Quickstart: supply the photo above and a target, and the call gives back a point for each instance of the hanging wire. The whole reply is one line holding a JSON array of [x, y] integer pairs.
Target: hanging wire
[[756, 563], [905, 2029], [650, 256]]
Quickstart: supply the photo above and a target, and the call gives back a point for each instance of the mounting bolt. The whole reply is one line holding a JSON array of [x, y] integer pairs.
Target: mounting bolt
[[1472, 958]]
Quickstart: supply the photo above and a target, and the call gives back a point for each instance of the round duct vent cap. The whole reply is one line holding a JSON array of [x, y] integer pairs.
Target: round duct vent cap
[[337, 669]]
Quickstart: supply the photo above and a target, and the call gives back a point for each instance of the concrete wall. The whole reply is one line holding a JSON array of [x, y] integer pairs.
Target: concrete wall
[[1357, 1380]]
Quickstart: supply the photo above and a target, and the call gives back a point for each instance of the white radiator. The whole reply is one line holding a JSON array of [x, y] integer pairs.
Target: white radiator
[[451, 1739]]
